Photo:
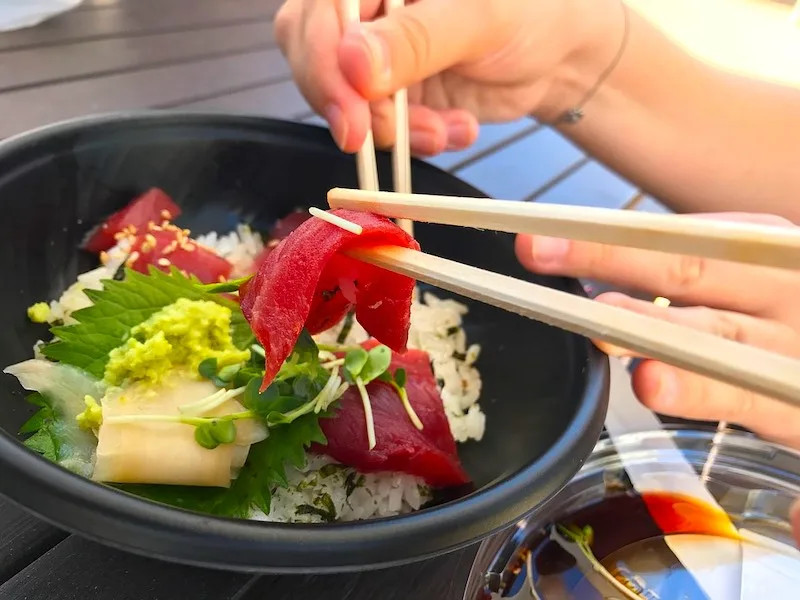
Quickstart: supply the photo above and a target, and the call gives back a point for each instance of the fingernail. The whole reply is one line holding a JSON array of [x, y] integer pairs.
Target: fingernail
[[458, 136], [378, 53], [549, 251], [337, 123], [422, 142]]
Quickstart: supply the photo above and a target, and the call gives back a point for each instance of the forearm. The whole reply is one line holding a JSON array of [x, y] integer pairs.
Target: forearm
[[699, 139]]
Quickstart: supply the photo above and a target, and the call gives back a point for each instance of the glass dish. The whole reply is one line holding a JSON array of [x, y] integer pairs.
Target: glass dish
[[754, 481]]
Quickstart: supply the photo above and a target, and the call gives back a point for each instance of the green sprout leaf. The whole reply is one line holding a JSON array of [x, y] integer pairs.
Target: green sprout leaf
[[355, 360], [208, 368], [378, 360], [212, 434], [204, 437]]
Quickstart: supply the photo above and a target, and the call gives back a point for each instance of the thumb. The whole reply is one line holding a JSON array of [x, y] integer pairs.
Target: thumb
[[412, 43]]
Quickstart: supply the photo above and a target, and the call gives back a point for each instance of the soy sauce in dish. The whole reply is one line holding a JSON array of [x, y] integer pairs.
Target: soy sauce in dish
[[617, 549]]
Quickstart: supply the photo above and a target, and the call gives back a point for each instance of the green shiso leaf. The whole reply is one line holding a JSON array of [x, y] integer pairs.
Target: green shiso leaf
[[122, 305]]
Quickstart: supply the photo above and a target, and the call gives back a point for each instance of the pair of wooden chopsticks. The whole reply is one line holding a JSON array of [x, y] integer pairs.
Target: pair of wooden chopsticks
[[401, 154], [729, 361]]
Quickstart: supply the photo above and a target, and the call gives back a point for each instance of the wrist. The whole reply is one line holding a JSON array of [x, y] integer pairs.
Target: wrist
[[595, 28]]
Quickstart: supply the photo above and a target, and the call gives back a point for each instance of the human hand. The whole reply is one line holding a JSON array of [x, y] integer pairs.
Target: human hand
[[749, 304], [463, 61]]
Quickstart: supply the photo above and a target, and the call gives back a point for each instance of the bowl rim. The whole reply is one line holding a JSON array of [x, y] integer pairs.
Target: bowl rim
[[127, 522]]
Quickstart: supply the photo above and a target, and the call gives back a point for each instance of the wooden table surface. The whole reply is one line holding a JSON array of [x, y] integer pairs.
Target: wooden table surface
[[110, 55]]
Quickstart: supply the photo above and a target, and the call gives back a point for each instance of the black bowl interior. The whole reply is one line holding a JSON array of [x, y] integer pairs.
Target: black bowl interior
[[544, 389]]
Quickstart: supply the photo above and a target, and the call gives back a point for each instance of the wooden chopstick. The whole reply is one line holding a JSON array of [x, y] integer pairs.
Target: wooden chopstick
[[401, 155], [732, 362], [679, 234], [365, 157]]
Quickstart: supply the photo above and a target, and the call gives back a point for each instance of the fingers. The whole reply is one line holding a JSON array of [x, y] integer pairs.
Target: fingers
[[745, 329], [413, 43], [683, 279], [672, 391], [309, 33], [431, 131]]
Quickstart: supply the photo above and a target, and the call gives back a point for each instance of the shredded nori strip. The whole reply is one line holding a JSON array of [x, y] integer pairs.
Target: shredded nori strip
[[460, 356], [351, 483], [324, 508], [119, 274], [327, 295], [452, 330], [347, 326], [328, 470], [307, 509]]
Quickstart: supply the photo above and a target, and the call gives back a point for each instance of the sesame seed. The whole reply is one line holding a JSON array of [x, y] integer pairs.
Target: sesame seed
[[132, 258], [170, 248], [151, 239], [189, 247], [146, 247], [104, 258], [166, 215], [222, 279], [164, 262]]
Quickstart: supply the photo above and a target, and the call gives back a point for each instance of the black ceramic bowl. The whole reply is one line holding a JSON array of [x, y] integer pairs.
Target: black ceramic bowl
[[545, 390]]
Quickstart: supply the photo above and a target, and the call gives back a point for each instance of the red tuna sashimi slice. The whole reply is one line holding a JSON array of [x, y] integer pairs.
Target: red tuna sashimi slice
[[307, 281], [168, 246], [281, 230], [429, 453], [286, 225], [154, 206]]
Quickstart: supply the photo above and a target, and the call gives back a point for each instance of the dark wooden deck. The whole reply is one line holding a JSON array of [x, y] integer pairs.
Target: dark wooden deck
[[220, 54]]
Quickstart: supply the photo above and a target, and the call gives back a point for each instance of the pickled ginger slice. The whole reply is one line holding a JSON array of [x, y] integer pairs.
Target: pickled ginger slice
[[167, 452], [64, 389]]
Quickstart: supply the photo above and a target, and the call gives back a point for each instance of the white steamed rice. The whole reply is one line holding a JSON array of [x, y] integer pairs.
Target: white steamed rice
[[324, 490]]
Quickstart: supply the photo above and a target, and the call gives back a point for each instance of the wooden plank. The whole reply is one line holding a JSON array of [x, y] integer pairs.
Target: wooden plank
[[158, 87], [523, 167], [23, 539], [137, 18], [95, 4], [491, 137], [77, 569], [650, 204], [282, 100], [441, 578], [41, 66], [590, 185]]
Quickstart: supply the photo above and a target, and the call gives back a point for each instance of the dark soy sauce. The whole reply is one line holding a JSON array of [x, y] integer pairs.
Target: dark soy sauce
[[626, 534]]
